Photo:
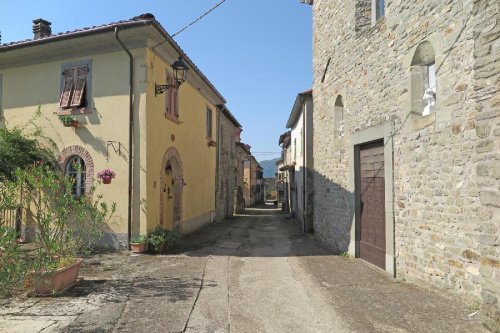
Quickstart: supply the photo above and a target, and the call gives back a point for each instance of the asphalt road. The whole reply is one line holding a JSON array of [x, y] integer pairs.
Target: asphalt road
[[253, 273]]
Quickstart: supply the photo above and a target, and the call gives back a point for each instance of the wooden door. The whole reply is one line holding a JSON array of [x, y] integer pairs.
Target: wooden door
[[168, 200], [372, 203]]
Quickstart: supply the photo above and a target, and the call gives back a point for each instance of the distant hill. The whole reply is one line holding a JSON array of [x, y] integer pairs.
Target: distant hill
[[269, 167]]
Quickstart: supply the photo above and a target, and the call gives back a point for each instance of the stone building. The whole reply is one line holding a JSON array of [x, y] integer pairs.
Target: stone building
[[242, 153], [287, 172], [406, 140], [301, 144], [228, 134]]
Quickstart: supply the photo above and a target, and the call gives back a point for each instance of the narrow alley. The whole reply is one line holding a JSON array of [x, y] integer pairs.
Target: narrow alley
[[253, 273]]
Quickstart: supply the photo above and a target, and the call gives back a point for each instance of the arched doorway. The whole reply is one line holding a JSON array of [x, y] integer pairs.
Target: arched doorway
[[171, 185]]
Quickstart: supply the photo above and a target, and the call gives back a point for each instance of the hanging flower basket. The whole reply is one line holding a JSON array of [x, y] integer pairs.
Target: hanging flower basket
[[69, 121], [106, 176]]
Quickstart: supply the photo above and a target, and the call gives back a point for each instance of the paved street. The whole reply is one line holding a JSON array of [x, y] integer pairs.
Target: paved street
[[253, 273]]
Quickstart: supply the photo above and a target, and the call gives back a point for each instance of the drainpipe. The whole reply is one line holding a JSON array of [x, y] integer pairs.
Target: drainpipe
[[217, 160], [131, 133]]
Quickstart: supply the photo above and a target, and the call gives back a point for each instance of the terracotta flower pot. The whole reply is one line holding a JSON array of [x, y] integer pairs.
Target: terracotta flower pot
[[106, 180], [56, 282], [75, 123], [137, 247]]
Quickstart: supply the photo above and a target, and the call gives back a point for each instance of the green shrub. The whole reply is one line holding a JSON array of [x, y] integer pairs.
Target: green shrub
[[161, 239], [13, 266], [139, 239], [19, 151]]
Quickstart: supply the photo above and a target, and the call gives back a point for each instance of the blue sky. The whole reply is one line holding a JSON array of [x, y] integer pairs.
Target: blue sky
[[258, 53]]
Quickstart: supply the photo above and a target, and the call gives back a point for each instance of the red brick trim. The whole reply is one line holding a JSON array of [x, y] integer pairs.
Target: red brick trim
[[89, 164]]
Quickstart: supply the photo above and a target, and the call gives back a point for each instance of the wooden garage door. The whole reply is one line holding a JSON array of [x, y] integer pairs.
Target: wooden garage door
[[372, 199]]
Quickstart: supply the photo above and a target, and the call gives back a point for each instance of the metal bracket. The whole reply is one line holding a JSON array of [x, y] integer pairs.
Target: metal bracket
[[117, 150]]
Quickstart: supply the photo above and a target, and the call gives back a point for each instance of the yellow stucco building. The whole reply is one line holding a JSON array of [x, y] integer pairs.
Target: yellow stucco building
[[169, 138]]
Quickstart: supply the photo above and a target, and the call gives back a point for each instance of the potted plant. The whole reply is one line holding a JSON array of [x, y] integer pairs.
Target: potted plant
[[66, 227], [138, 243], [69, 121], [106, 175], [160, 240]]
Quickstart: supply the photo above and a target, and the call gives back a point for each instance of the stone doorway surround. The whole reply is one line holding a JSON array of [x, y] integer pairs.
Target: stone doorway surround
[[172, 156], [380, 132]]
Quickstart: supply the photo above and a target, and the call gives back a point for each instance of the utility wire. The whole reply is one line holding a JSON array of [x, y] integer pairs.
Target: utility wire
[[193, 22], [199, 18]]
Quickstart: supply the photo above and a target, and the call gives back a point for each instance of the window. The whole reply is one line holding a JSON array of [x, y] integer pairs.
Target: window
[[367, 13], [171, 100], [378, 8], [338, 117], [294, 149], [423, 80], [75, 169], [75, 86], [209, 123]]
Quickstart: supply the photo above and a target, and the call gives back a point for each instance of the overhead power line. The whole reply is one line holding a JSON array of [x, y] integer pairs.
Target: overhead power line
[[193, 22], [199, 18]]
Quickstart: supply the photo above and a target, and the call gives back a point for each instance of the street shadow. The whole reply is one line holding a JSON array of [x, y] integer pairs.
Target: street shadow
[[174, 289]]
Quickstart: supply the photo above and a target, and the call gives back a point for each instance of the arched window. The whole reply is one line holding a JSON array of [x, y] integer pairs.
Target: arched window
[[338, 117], [75, 169], [423, 80]]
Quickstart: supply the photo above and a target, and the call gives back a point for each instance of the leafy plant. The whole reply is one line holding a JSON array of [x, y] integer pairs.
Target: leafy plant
[[139, 239], [162, 239], [65, 224], [19, 151], [66, 119], [13, 266]]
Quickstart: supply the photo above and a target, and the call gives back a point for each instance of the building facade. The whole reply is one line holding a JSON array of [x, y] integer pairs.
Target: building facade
[[104, 78], [406, 140], [228, 134], [301, 159], [286, 172], [242, 153]]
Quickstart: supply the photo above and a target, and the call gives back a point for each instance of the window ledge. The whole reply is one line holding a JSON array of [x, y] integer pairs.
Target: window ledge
[[172, 119], [75, 111], [419, 121]]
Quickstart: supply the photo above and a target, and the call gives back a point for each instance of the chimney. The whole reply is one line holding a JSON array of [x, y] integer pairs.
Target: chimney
[[41, 28]]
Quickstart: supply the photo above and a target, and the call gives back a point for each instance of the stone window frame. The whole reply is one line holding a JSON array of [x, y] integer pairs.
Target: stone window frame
[[76, 150], [366, 14], [375, 14], [423, 57], [88, 106], [338, 117]]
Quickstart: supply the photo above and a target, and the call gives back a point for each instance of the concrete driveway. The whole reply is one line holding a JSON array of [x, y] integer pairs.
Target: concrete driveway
[[253, 273]]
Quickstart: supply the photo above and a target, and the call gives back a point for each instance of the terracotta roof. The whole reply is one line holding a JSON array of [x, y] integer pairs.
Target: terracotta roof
[[141, 20]]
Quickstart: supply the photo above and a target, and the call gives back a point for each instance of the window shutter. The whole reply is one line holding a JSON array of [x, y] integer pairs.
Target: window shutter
[[168, 98], [81, 80], [176, 102], [66, 94]]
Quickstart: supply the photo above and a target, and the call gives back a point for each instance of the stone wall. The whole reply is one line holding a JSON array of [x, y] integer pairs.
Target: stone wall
[[446, 189], [241, 156], [226, 168]]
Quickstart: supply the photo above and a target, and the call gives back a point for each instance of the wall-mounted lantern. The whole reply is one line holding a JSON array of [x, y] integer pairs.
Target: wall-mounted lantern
[[180, 72]]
